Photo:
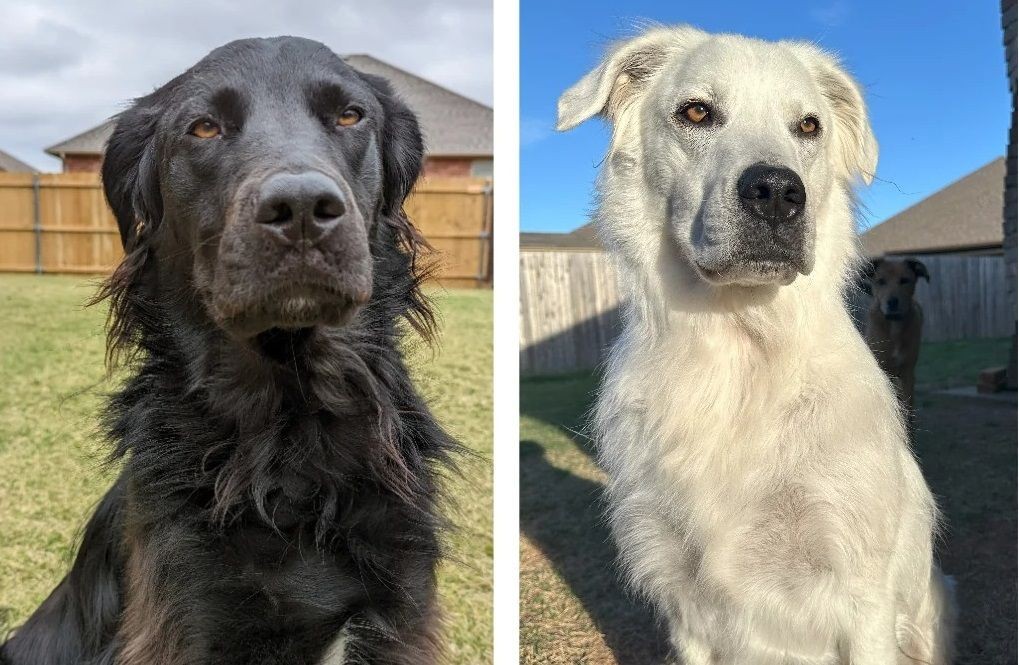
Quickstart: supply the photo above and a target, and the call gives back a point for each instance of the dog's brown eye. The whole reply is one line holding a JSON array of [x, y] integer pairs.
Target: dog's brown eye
[[809, 125], [903, 280], [205, 129], [696, 112], [349, 117]]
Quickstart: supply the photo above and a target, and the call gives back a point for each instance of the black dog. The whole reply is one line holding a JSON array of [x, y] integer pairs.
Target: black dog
[[278, 500]]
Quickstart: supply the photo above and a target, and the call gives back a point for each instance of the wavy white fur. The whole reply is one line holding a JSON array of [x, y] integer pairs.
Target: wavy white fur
[[762, 491]]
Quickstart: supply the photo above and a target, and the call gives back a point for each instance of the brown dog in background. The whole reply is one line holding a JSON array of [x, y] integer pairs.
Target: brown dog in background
[[895, 322]]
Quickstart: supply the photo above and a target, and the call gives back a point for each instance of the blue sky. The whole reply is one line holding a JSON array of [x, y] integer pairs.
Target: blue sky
[[933, 75]]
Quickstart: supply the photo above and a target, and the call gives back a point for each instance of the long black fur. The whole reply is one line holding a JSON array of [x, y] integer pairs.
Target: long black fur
[[272, 494]]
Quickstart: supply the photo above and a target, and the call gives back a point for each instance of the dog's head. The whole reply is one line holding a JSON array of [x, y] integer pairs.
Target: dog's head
[[892, 283], [737, 142], [260, 184]]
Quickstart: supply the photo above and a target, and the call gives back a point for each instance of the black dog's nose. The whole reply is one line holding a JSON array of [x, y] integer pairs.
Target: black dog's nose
[[300, 206], [773, 193], [893, 303]]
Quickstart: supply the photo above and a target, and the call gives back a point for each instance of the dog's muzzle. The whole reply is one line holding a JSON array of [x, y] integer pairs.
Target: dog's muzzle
[[296, 255], [768, 237]]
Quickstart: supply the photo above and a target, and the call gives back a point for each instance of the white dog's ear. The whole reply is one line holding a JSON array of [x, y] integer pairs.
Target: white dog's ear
[[626, 67], [854, 140]]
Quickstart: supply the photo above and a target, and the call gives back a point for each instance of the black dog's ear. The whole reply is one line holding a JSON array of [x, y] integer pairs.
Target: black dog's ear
[[131, 181], [131, 175], [401, 144], [918, 268]]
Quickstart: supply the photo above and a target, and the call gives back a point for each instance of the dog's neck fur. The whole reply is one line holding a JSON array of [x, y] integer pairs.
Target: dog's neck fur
[[323, 408]]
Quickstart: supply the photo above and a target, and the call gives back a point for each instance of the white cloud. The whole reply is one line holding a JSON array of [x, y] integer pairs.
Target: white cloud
[[67, 65]]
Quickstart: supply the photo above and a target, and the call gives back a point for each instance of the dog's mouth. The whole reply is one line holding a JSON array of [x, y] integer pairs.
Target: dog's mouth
[[753, 271], [894, 316], [293, 307]]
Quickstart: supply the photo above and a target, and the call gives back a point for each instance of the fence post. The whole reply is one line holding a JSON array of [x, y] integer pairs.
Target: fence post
[[37, 223], [485, 238]]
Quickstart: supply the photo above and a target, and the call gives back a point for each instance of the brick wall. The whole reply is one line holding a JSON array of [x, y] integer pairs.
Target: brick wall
[[448, 166], [1008, 26], [82, 163]]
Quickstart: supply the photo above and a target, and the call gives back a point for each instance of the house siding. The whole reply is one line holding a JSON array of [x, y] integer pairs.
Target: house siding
[[448, 166]]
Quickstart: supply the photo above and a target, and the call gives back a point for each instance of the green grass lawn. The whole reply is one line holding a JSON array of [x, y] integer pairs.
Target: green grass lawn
[[574, 610], [52, 384]]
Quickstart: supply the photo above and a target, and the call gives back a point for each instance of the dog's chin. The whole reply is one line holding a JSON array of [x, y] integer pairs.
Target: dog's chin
[[751, 273], [292, 308]]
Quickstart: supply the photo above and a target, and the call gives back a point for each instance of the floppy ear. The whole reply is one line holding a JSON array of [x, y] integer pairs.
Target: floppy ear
[[853, 139], [131, 176], [627, 68], [401, 145], [918, 268]]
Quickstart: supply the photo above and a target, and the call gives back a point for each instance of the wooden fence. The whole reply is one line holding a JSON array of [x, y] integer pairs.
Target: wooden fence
[[60, 223], [569, 310], [569, 305]]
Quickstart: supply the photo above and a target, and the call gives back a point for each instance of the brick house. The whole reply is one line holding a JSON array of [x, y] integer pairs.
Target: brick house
[[457, 130]]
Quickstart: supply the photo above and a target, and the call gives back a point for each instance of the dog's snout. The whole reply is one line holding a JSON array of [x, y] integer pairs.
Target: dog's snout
[[892, 303], [773, 193], [300, 206]]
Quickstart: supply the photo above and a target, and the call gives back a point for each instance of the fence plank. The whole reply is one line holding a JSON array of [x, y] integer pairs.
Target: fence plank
[[569, 307], [78, 233]]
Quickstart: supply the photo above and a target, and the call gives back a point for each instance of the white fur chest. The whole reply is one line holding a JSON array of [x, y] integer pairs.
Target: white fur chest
[[725, 480]]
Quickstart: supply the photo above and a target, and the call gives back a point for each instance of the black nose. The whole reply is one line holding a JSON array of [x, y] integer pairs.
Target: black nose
[[300, 206], [892, 303], [773, 193]]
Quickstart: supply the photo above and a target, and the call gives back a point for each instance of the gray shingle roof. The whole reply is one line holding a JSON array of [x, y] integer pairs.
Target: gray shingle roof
[[11, 164], [452, 124], [90, 142], [966, 214]]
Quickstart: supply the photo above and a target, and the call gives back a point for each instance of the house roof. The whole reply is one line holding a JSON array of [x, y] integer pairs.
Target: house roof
[[581, 238], [452, 124], [966, 214], [12, 164], [89, 142]]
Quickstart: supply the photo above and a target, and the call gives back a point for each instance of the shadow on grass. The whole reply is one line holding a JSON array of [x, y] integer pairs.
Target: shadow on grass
[[561, 513]]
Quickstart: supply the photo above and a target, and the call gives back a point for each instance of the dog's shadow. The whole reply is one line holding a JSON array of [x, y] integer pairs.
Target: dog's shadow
[[562, 514]]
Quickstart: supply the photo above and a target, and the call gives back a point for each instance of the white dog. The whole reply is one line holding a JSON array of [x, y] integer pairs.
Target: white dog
[[762, 492]]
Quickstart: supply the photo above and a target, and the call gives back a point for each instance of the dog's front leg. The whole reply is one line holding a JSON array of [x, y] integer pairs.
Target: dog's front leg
[[869, 636]]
